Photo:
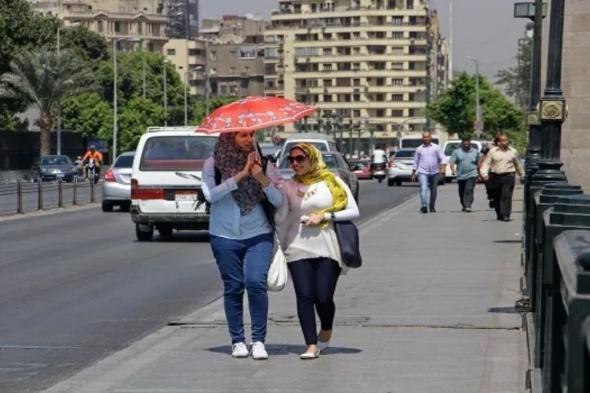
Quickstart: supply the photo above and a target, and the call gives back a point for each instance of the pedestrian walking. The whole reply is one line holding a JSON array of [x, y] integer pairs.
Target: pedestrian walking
[[489, 192], [463, 164], [313, 199], [429, 164], [498, 169], [238, 189]]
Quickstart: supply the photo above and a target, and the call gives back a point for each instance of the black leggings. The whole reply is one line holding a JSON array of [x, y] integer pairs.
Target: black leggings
[[315, 282]]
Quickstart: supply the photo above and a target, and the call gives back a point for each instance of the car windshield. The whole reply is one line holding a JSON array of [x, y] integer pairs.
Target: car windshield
[[56, 160], [405, 154], [321, 145], [331, 161], [357, 166], [124, 162], [173, 153]]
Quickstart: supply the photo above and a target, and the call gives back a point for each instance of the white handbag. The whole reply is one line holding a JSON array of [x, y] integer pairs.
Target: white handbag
[[276, 278]]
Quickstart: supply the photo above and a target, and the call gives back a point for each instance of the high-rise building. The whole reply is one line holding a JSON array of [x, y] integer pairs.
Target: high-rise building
[[367, 65], [184, 18]]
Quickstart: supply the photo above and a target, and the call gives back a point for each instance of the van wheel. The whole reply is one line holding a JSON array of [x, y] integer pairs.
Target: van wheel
[[165, 230], [144, 233], [107, 206], [390, 182], [126, 206], [398, 183]]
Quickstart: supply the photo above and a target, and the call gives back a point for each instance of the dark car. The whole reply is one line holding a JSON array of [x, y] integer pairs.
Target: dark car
[[335, 163], [55, 167]]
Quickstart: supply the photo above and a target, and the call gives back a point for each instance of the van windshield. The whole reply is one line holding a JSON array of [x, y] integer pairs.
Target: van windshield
[[452, 146], [415, 142], [174, 153]]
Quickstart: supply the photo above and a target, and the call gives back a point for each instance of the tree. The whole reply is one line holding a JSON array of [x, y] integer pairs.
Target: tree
[[88, 45], [135, 118], [41, 78], [455, 108], [88, 113], [517, 79], [199, 109]]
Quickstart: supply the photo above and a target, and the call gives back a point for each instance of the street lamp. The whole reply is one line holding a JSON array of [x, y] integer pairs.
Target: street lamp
[[115, 126], [58, 49], [478, 123], [165, 93]]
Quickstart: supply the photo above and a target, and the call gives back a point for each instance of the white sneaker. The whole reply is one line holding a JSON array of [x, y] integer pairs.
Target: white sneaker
[[259, 351], [239, 350]]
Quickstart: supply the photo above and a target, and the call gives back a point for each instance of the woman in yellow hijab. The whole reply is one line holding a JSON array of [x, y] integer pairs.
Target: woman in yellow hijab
[[313, 199]]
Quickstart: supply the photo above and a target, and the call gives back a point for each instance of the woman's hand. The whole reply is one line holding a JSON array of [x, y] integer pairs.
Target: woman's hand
[[247, 171], [313, 219]]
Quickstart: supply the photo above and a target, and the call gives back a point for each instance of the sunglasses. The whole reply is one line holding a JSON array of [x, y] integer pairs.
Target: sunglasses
[[298, 159]]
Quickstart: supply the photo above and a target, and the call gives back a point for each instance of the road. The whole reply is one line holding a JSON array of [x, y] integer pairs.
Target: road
[[76, 287]]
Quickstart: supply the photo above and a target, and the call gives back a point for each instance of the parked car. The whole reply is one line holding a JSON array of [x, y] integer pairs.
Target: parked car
[[55, 167], [399, 168], [449, 147], [270, 150], [361, 168], [166, 181], [116, 188], [322, 141], [336, 163]]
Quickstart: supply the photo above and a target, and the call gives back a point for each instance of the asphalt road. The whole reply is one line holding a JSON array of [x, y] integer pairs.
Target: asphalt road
[[76, 287]]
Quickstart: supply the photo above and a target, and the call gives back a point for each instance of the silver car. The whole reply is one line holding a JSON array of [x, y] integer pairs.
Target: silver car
[[116, 188]]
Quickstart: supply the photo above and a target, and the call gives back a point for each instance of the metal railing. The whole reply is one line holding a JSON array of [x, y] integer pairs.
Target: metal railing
[[24, 197]]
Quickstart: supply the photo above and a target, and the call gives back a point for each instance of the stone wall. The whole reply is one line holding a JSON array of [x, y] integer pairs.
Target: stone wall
[[575, 147]]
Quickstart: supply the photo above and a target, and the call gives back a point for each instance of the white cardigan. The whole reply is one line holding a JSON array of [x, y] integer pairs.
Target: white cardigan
[[299, 241]]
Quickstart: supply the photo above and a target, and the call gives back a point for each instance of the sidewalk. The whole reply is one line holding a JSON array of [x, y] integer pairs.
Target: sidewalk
[[430, 312]]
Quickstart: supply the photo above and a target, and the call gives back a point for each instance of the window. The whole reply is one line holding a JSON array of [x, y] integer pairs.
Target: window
[[397, 20], [397, 97], [117, 27], [170, 153], [397, 66], [397, 82], [327, 98], [327, 82], [100, 26], [140, 28], [397, 35], [171, 52]]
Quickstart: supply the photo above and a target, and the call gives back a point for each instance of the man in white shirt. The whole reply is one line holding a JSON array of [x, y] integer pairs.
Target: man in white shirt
[[378, 157]]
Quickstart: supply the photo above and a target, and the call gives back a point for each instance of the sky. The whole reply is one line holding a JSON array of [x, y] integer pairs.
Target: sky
[[483, 29]]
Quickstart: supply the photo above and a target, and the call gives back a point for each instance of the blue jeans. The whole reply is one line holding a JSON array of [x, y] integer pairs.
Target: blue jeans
[[428, 184], [243, 264]]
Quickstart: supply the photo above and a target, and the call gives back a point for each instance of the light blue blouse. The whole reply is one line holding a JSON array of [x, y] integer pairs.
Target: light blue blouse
[[226, 219]]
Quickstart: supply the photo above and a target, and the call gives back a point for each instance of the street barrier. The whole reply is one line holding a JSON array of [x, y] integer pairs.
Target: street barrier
[[566, 213], [23, 197], [567, 353]]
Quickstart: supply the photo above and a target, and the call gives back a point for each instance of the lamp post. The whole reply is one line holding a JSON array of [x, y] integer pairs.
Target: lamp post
[[478, 126], [165, 93], [115, 100]]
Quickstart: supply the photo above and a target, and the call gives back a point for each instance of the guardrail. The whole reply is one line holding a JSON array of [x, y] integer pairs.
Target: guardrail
[[566, 354], [22, 197]]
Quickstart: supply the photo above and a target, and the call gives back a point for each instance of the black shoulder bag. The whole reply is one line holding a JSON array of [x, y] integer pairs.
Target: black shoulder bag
[[348, 239]]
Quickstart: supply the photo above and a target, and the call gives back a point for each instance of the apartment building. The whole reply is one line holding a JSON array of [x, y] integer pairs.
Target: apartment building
[[143, 21], [367, 65], [190, 61]]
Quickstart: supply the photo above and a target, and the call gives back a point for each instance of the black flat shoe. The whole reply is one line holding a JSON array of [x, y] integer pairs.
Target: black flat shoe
[[424, 210]]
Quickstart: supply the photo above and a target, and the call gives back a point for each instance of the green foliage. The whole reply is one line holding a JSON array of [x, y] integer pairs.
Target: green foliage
[[456, 108], [200, 108], [43, 79], [88, 113], [516, 80], [134, 119], [87, 44]]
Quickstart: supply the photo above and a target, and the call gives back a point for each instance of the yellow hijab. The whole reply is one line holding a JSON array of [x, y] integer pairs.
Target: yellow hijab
[[319, 172]]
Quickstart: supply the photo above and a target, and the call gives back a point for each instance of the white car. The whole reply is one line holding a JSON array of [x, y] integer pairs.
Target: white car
[[166, 181], [323, 142], [116, 188], [399, 168]]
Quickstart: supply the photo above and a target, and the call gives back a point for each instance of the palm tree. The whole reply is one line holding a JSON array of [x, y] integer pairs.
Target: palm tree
[[43, 79]]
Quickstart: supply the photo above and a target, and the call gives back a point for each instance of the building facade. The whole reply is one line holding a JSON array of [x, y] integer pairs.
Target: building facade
[[190, 61], [143, 21], [184, 19], [367, 65], [575, 141]]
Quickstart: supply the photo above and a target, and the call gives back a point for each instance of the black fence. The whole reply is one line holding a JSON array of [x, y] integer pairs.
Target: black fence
[[24, 197], [556, 286]]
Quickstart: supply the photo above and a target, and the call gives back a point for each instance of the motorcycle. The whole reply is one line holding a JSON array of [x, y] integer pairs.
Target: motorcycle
[[378, 171], [92, 171]]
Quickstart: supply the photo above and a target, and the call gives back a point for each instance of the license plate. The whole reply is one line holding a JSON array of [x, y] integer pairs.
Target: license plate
[[185, 196]]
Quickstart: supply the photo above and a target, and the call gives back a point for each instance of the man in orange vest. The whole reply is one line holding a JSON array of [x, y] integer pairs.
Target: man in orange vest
[[92, 153]]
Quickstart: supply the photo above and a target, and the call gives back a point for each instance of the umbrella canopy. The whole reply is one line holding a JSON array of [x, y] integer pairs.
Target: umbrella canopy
[[254, 113]]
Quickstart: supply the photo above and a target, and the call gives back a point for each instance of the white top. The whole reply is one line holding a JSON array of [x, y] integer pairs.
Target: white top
[[379, 156], [299, 241]]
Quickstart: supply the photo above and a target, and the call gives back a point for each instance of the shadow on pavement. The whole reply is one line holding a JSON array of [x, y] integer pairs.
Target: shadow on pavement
[[502, 310], [288, 349]]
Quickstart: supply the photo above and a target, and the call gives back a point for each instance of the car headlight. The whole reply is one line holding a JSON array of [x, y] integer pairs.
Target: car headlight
[[44, 169]]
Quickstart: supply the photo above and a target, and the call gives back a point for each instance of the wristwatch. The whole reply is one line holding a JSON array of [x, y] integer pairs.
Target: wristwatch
[[332, 216]]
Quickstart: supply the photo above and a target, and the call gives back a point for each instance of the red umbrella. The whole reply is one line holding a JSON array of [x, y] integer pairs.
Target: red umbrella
[[253, 113]]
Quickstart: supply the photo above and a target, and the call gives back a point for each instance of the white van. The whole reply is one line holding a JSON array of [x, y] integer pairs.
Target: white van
[[323, 142], [166, 181], [415, 141], [450, 147]]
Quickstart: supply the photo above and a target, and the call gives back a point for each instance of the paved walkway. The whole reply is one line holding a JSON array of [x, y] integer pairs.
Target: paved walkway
[[430, 311]]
